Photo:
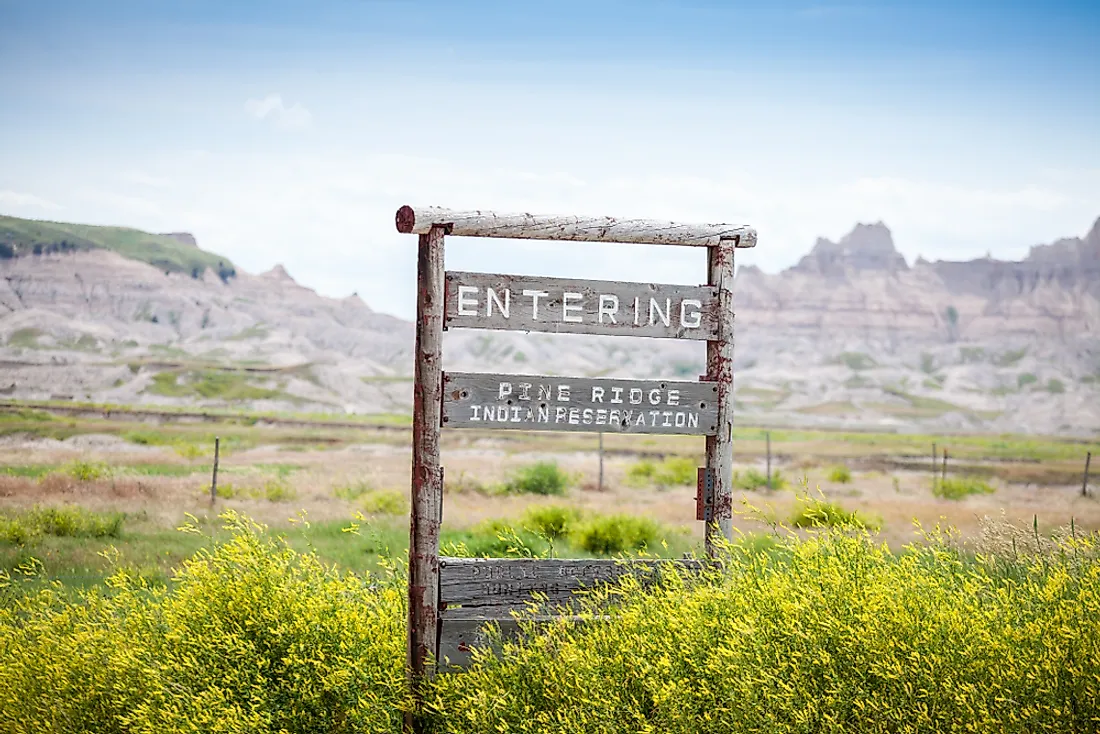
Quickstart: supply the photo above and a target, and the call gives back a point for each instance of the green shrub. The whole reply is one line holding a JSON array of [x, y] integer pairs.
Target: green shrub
[[551, 521], [956, 488], [495, 539], [191, 451], [840, 474], [674, 471], [384, 502], [65, 521], [641, 473], [86, 471], [832, 634], [272, 490], [816, 513], [1055, 386], [14, 531], [225, 490], [1026, 379], [611, 534], [32, 471], [752, 479], [251, 637], [545, 477], [276, 490]]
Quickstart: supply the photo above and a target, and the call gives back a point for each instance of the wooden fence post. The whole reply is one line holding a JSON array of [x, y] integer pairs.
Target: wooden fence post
[[943, 475], [768, 438], [720, 370], [1085, 482], [427, 475], [214, 479]]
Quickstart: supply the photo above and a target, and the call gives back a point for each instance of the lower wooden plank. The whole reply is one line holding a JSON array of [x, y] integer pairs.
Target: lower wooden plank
[[458, 638], [480, 587]]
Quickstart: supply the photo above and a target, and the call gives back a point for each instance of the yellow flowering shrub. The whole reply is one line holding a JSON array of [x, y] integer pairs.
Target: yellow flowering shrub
[[828, 634], [252, 637]]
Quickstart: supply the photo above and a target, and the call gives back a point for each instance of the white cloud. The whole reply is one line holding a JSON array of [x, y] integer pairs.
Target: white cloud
[[328, 216], [18, 200], [273, 108]]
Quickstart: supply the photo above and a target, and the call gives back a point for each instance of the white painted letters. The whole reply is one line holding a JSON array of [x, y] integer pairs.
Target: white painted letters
[[467, 306], [609, 306], [504, 308], [655, 311], [571, 308], [535, 296], [694, 319], [577, 403]]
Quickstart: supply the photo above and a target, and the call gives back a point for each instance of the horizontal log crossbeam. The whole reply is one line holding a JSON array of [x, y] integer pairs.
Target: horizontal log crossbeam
[[420, 220]]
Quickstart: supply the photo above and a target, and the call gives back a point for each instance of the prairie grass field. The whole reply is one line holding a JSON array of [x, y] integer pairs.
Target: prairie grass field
[[863, 591]]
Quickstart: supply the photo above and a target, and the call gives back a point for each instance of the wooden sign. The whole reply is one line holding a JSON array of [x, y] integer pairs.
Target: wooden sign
[[455, 606], [559, 305], [480, 588], [541, 403], [477, 592]]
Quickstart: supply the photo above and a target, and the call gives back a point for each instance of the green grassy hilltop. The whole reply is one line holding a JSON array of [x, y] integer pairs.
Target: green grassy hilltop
[[22, 237]]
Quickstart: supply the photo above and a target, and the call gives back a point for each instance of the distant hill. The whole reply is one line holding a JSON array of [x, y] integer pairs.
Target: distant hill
[[853, 336], [175, 252]]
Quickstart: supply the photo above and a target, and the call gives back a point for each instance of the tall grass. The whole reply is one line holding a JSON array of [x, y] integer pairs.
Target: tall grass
[[673, 471], [957, 488], [544, 477], [830, 633], [67, 521], [752, 479], [252, 637]]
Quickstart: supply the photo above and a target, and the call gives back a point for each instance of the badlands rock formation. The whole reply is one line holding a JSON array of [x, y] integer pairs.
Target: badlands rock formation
[[851, 336]]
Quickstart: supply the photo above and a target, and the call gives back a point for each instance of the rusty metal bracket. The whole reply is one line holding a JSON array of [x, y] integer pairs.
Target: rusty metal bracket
[[704, 494]]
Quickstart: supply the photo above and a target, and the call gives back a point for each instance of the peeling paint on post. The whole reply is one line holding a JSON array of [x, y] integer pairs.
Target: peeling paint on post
[[720, 372], [427, 476]]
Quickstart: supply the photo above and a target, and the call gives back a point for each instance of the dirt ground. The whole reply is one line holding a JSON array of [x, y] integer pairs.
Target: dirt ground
[[316, 476]]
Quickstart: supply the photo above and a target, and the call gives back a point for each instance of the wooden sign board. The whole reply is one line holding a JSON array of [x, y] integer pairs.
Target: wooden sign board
[[558, 305], [470, 300], [542, 403], [479, 588], [477, 592]]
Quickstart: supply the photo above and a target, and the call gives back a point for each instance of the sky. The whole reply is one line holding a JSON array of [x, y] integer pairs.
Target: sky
[[290, 132]]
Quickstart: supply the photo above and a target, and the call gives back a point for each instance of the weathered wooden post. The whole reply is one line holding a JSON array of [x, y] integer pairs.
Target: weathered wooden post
[[214, 479], [1085, 482], [427, 476], [943, 475], [720, 371]]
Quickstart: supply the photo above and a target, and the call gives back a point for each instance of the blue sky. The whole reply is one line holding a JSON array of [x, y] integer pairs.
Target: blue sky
[[290, 131]]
